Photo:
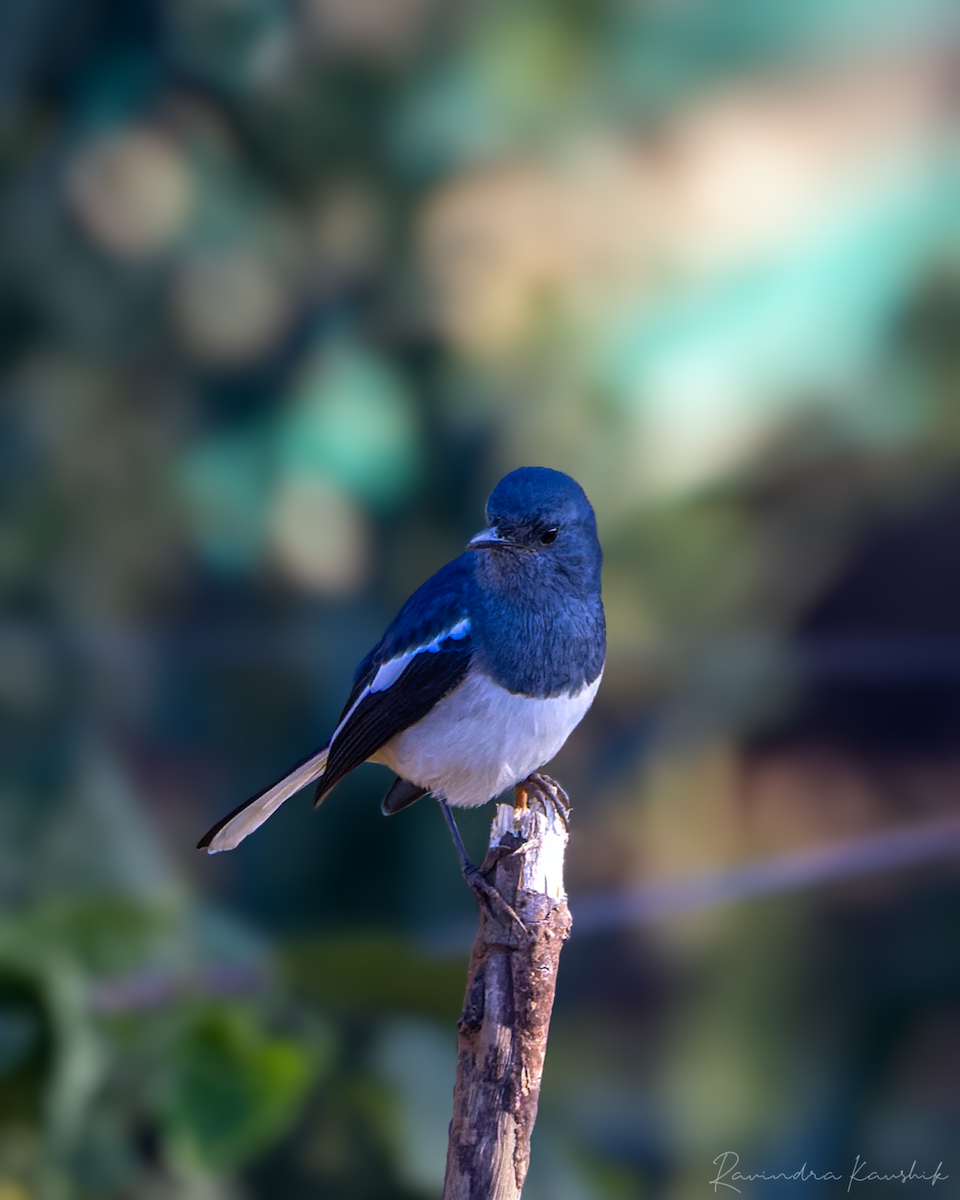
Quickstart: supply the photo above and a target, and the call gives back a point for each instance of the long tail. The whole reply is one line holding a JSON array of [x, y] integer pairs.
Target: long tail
[[230, 832]]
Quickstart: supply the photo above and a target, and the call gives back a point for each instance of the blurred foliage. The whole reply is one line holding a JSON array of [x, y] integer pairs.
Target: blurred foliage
[[284, 289], [117, 1070]]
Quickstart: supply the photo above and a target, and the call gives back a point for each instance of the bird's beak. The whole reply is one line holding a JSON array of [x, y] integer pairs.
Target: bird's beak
[[487, 539]]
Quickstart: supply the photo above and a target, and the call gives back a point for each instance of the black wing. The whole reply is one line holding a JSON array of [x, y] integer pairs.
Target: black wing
[[377, 716], [424, 653]]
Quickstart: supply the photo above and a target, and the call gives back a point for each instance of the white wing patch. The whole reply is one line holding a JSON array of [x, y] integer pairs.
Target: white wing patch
[[390, 671]]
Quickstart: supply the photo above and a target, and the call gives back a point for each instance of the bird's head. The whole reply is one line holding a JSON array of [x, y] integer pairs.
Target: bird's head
[[541, 512]]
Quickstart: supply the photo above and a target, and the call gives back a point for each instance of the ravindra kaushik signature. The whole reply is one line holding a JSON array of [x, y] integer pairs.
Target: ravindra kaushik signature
[[728, 1162]]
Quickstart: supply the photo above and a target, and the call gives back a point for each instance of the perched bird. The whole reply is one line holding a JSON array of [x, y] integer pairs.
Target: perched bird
[[483, 673]]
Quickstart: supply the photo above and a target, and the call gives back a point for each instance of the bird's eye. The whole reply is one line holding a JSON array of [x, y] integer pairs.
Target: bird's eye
[[548, 536]]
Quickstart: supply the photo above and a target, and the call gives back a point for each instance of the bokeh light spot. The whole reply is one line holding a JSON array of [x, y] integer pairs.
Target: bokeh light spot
[[319, 536], [351, 421]]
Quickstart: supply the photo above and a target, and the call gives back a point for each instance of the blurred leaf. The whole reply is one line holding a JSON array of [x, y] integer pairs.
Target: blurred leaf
[[25, 1048], [234, 1089]]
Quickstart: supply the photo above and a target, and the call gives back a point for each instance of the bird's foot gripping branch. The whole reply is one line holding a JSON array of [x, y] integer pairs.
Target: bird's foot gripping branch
[[544, 791], [502, 1034]]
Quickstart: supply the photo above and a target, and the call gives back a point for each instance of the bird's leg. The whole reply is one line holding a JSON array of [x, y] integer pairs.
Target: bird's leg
[[544, 791], [482, 890], [466, 865]]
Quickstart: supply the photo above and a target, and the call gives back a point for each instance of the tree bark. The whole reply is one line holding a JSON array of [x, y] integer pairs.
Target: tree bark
[[502, 1034]]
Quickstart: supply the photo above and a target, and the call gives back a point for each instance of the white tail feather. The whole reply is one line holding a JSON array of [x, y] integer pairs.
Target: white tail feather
[[256, 812]]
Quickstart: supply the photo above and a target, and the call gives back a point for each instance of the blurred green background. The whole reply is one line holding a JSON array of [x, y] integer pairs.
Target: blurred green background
[[285, 287]]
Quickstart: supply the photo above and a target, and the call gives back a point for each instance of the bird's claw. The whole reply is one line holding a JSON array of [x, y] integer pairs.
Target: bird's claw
[[487, 894], [543, 790], [484, 893]]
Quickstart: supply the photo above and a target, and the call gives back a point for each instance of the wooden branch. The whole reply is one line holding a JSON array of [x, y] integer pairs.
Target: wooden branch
[[502, 1034]]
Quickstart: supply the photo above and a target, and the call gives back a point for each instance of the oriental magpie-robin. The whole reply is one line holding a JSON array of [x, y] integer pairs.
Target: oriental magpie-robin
[[483, 673]]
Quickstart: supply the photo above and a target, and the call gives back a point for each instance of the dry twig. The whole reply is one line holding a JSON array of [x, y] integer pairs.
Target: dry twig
[[502, 1034]]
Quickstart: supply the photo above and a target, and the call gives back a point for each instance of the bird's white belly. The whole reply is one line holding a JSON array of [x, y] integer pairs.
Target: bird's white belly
[[481, 739]]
